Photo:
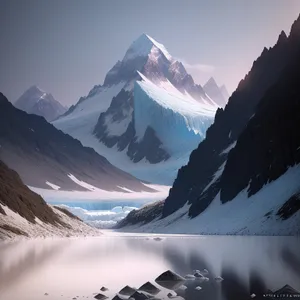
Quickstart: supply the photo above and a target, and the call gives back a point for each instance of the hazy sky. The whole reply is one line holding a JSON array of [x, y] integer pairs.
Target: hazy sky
[[67, 46]]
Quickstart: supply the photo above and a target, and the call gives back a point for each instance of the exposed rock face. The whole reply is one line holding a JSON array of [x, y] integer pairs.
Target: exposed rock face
[[142, 215], [35, 101], [40, 153], [25, 213], [290, 207], [121, 111], [192, 180], [20, 199], [270, 143]]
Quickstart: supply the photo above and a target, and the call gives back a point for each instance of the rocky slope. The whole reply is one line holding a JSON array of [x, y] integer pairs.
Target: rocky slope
[[23, 212], [35, 101], [44, 156]]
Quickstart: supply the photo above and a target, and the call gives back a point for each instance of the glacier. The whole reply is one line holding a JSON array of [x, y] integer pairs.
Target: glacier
[[100, 218], [178, 121], [99, 208]]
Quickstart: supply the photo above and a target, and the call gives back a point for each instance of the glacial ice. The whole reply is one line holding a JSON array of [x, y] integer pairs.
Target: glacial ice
[[178, 121]]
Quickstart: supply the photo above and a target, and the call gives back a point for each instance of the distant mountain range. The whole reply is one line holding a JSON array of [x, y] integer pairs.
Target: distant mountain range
[[35, 101], [244, 178], [47, 158], [218, 93], [148, 111]]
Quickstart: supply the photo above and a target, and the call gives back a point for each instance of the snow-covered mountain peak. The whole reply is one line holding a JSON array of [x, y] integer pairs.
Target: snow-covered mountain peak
[[34, 90], [211, 83], [36, 101], [143, 46]]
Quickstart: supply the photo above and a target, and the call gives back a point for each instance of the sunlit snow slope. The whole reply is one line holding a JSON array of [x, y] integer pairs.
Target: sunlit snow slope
[[177, 119]]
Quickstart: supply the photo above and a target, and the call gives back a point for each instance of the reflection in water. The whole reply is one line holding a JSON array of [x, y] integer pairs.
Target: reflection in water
[[257, 284], [26, 263], [66, 268], [291, 260]]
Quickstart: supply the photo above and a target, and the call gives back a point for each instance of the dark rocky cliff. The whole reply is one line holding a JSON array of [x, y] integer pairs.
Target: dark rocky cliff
[[192, 180]]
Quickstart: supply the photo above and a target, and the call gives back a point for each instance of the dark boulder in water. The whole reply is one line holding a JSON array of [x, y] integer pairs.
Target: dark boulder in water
[[140, 296], [100, 297], [148, 287], [170, 280], [127, 291], [169, 276]]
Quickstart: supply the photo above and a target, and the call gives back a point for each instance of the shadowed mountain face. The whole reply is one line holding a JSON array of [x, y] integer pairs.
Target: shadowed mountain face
[[40, 153], [35, 101], [270, 143], [265, 146]]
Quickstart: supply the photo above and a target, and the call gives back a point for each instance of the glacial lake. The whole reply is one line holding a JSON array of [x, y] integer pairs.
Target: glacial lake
[[77, 268]]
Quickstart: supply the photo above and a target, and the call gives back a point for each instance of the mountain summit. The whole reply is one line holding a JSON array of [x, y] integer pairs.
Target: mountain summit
[[147, 106], [144, 46], [36, 101]]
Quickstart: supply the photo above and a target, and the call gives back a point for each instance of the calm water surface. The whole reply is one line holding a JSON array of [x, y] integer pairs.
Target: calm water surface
[[78, 268]]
